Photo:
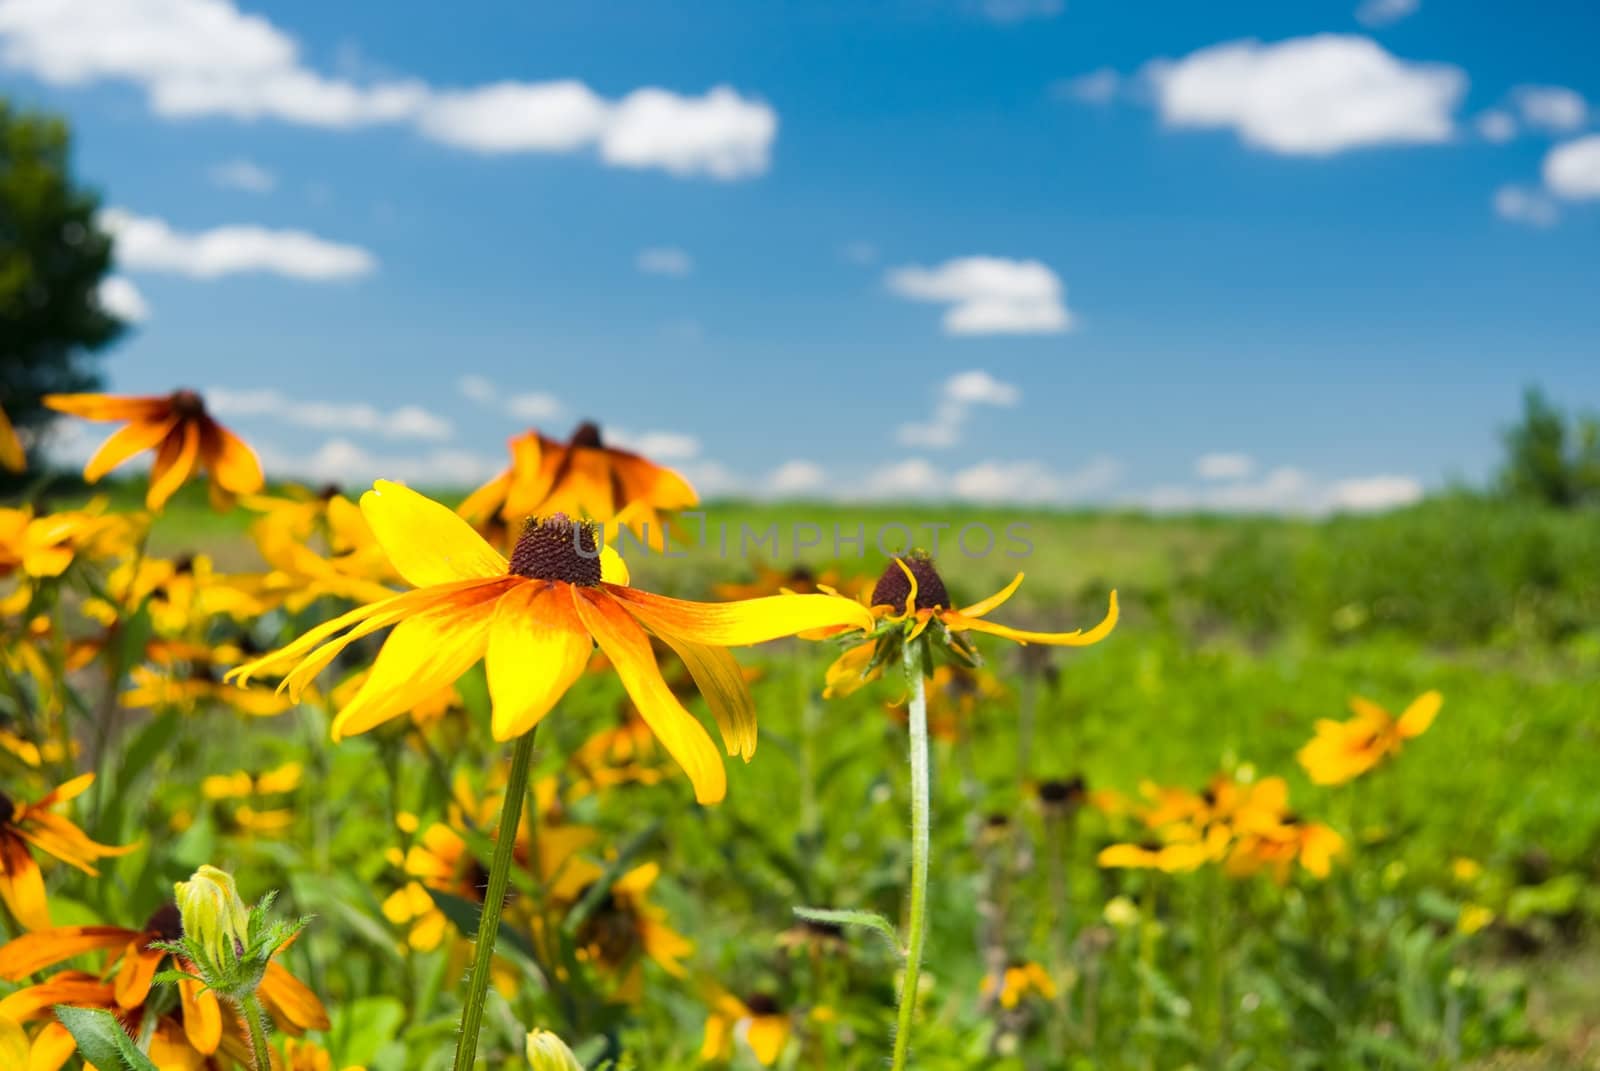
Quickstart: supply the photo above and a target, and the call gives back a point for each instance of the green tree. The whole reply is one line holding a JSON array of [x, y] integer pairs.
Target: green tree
[[1551, 458], [52, 260]]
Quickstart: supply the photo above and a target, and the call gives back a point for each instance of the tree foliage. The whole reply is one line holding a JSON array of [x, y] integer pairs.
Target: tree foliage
[[1552, 457]]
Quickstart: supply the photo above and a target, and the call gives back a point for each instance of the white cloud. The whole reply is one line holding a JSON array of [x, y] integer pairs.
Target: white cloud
[[912, 478], [244, 175], [796, 478], [1224, 466], [657, 445], [530, 406], [144, 243], [533, 406], [1552, 108], [1006, 11], [956, 398], [1496, 126], [1522, 205], [207, 58], [479, 389], [1572, 170], [1309, 96], [405, 422], [118, 296], [664, 260], [1034, 481], [1097, 87], [1285, 490], [989, 295], [340, 461], [1386, 12]]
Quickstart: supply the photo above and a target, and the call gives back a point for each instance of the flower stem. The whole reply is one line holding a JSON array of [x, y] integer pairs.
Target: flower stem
[[256, 1023], [493, 899], [917, 924]]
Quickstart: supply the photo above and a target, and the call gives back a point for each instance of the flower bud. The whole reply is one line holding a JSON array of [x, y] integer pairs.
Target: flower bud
[[547, 1052], [213, 915]]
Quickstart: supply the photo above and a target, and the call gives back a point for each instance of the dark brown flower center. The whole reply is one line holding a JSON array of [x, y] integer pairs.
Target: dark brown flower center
[[7, 808], [761, 1004], [587, 434], [997, 821], [166, 924], [557, 548], [894, 586], [1062, 791], [329, 491], [187, 404]]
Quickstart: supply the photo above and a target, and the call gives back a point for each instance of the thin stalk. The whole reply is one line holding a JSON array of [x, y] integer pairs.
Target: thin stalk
[[256, 1023], [917, 923], [493, 901]]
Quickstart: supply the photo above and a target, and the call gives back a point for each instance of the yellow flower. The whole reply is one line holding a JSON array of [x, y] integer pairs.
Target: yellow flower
[[1019, 981], [534, 620], [23, 824], [756, 1021], [1343, 750], [582, 478], [354, 565], [44, 546], [1465, 870], [626, 928], [1181, 848], [308, 1056], [181, 432], [181, 594], [1473, 918], [547, 1052], [910, 597], [186, 676], [12, 455], [1280, 845]]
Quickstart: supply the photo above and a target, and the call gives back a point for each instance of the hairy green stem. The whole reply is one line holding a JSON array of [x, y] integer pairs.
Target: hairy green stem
[[494, 899], [917, 923], [255, 1022]]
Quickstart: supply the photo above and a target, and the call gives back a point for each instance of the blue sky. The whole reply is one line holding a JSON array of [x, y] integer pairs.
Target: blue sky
[[1255, 255]]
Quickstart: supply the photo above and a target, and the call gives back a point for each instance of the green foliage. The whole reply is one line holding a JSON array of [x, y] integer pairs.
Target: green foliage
[[102, 1040], [53, 257], [1550, 458]]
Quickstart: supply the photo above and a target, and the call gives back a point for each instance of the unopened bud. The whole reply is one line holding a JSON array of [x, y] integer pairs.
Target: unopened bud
[[213, 915]]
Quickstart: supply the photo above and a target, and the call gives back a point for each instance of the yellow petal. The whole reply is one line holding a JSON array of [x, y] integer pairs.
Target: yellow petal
[[613, 570], [956, 622], [984, 606], [427, 543], [124, 443], [628, 648], [721, 681], [173, 465], [1420, 714], [537, 648], [231, 462], [14, 1044], [735, 624]]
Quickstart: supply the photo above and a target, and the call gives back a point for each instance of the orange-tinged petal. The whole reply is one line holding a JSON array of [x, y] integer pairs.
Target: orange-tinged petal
[[537, 648], [957, 622], [66, 987], [766, 1035], [202, 1017], [124, 443], [1366, 709], [424, 654], [848, 671], [14, 1044], [70, 789], [22, 885], [427, 543], [628, 649], [480, 505], [134, 975], [31, 952], [984, 606], [722, 682], [1420, 714], [736, 624], [174, 463], [230, 460], [109, 406], [291, 1001], [52, 1048]]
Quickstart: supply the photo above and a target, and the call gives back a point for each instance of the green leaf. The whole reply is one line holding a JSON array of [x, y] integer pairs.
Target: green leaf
[[151, 741], [466, 916], [101, 1040], [869, 920]]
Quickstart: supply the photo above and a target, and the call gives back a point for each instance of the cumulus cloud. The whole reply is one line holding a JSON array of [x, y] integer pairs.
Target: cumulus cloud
[[1522, 205], [1034, 482], [118, 296], [144, 243], [988, 295], [664, 260], [1285, 489], [1224, 466], [1309, 96], [528, 406], [1386, 12], [796, 477], [244, 175], [1553, 108], [405, 422], [956, 398], [340, 461], [207, 58], [1572, 170], [657, 445], [1496, 126]]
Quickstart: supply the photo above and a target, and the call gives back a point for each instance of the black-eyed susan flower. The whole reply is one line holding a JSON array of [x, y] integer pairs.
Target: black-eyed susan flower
[[534, 621], [756, 1022], [1178, 848], [41, 546], [582, 478], [318, 545], [1344, 750], [1276, 847], [188, 676], [626, 928], [1020, 980], [181, 594], [180, 431], [33, 824], [910, 598]]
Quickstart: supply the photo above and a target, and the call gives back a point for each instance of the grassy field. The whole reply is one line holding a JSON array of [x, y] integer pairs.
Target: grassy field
[[1237, 635]]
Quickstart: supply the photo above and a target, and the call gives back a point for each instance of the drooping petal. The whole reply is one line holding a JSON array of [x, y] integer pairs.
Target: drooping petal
[[124, 443], [174, 464], [231, 462], [52, 1048], [537, 648], [109, 406], [135, 974], [993, 602], [1419, 715], [31, 952], [22, 885], [481, 504], [427, 543], [290, 1000], [957, 622], [424, 654], [70, 789], [722, 682], [64, 987], [736, 624], [847, 673], [628, 649], [202, 1017]]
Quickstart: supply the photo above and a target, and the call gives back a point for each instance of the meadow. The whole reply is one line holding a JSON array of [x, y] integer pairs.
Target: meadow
[[1444, 922]]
